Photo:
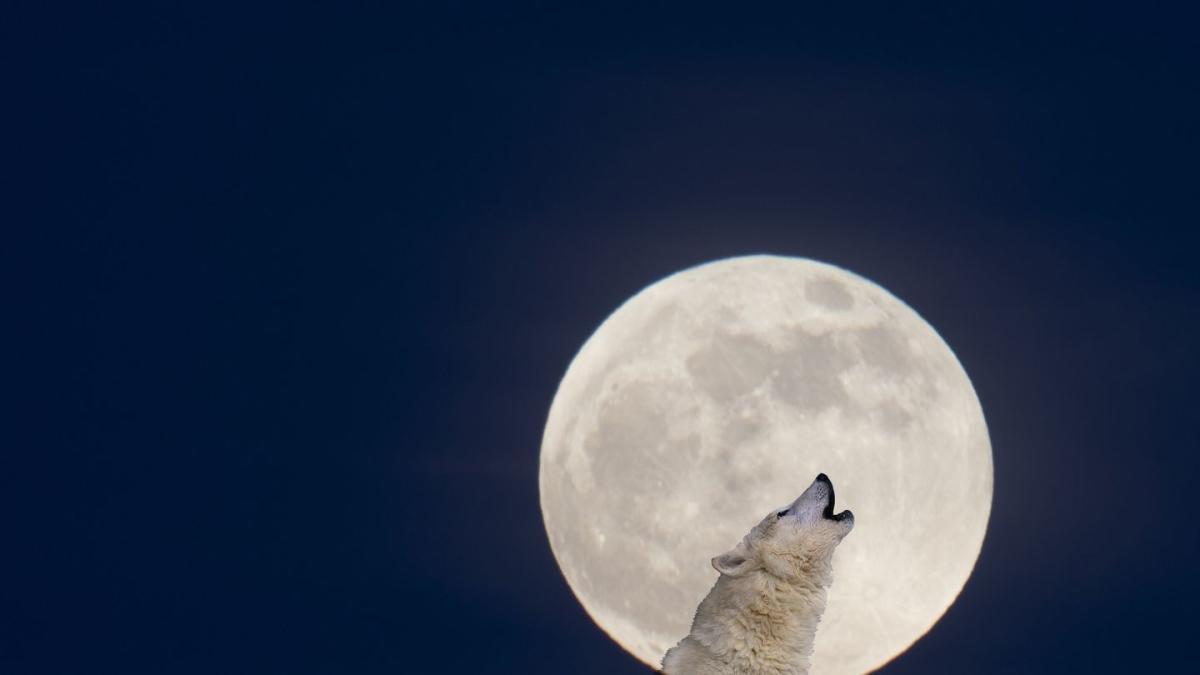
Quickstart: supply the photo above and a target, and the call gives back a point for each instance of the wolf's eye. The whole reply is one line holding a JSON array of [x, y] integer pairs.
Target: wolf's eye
[[781, 513]]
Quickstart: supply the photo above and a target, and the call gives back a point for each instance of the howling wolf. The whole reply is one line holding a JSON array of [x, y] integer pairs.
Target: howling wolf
[[762, 614]]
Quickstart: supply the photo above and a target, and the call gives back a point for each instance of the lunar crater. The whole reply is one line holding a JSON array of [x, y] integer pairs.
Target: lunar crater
[[829, 294]]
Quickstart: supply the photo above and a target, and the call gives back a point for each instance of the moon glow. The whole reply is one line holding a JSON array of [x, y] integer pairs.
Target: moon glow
[[715, 395]]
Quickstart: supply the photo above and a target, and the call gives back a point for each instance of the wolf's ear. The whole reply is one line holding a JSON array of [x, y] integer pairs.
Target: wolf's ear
[[733, 563]]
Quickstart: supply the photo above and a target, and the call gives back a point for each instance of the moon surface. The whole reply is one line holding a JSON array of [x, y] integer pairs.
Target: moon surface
[[714, 396]]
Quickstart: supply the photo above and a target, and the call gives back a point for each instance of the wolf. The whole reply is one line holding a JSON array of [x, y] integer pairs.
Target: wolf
[[761, 616]]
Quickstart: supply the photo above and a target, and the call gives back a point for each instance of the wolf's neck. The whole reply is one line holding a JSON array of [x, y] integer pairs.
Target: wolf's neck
[[760, 624]]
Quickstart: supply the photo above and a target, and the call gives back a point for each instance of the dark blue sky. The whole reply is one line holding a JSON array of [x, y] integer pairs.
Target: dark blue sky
[[290, 290]]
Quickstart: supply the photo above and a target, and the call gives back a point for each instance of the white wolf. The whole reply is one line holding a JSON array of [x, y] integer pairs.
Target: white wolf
[[762, 614]]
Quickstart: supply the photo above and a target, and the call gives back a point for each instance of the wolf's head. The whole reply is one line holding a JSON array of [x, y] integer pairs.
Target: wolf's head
[[793, 540]]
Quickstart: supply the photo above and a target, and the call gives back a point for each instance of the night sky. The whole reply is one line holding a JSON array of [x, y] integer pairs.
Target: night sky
[[288, 291]]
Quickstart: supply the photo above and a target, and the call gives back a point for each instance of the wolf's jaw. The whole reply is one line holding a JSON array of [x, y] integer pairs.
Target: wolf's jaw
[[828, 513]]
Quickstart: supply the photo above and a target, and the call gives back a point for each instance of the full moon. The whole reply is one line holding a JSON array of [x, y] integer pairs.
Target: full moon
[[714, 396]]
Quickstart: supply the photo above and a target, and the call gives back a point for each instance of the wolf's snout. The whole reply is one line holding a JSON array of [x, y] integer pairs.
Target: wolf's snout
[[822, 489]]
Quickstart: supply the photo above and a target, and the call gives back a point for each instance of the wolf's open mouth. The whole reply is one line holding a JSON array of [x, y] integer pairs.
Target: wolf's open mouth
[[828, 512]]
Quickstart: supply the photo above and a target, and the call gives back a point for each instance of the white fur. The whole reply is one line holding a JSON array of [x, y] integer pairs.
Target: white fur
[[761, 616]]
